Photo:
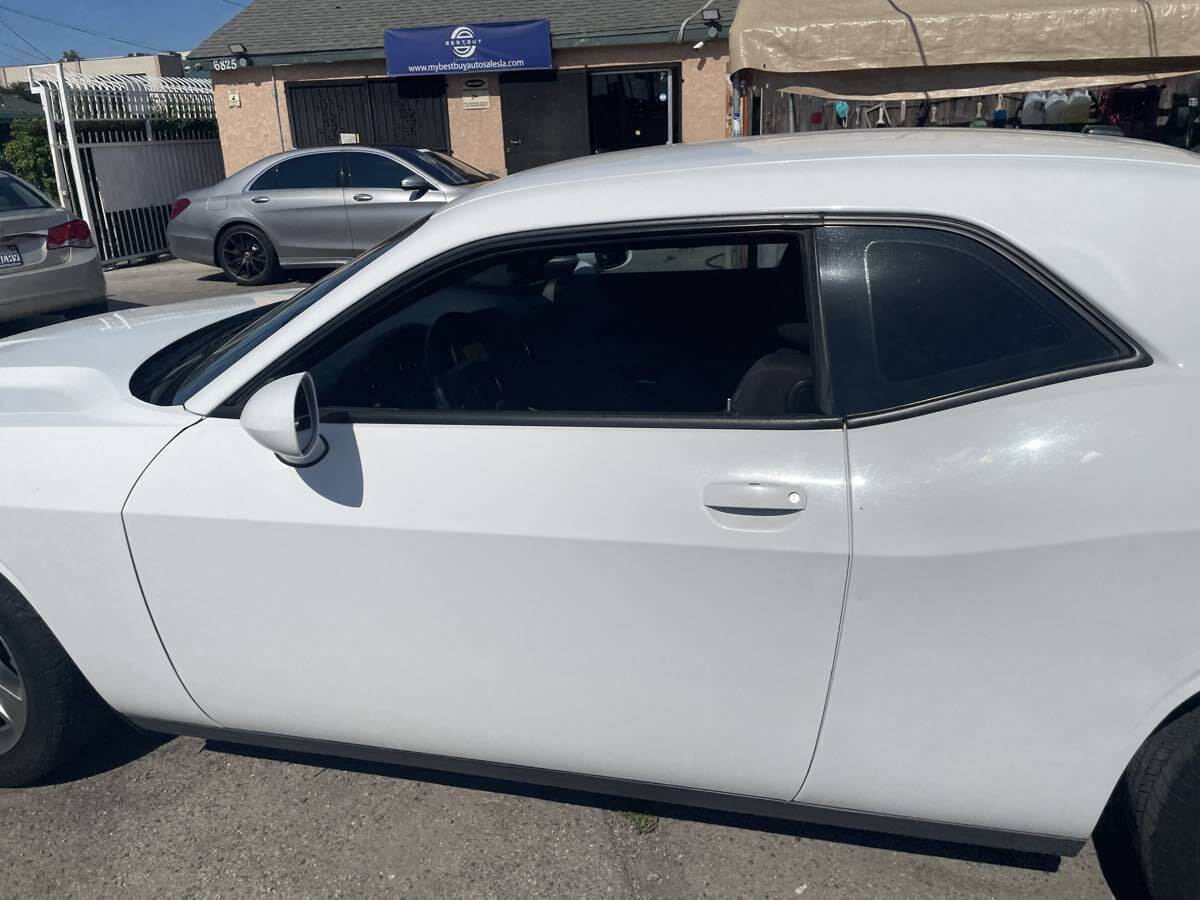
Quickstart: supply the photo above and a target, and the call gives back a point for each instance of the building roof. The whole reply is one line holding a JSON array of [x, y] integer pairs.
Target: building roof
[[321, 28]]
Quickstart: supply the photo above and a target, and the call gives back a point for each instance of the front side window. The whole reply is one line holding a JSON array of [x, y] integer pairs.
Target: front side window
[[372, 170], [578, 328], [916, 314], [310, 171], [215, 361]]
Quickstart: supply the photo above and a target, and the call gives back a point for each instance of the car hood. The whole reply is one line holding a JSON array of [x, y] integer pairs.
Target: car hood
[[81, 368]]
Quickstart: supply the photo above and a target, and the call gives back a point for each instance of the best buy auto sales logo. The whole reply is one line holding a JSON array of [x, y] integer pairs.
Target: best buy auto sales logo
[[463, 42]]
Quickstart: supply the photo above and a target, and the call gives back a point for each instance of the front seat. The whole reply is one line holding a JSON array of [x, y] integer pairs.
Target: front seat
[[779, 384]]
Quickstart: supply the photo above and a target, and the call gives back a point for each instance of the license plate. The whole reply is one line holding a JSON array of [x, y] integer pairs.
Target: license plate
[[9, 256]]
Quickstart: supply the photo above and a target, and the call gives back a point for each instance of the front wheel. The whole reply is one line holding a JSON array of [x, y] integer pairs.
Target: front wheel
[[247, 255], [47, 708]]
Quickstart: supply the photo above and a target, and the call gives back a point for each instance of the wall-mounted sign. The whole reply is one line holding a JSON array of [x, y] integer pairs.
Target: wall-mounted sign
[[468, 49], [476, 94], [235, 99], [348, 137], [229, 64]]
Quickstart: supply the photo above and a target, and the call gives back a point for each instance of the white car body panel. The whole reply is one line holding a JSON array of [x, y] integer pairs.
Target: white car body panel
[[1023, 603], [1021, 609], [73, 442], [554, 597]]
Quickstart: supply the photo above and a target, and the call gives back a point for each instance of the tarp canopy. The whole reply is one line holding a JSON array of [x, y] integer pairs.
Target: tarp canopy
[[931, 48]]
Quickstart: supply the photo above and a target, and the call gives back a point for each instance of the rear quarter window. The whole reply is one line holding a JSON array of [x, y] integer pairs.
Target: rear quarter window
[[916, 314]]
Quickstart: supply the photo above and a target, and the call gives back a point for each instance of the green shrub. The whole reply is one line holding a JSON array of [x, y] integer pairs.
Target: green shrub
[[28, 154]]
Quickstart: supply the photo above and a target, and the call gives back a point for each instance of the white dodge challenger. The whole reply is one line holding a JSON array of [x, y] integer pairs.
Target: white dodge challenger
[[848, 478]]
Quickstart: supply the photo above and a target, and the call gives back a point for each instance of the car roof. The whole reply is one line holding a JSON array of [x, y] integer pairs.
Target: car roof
[[858, 144], [964, 173]]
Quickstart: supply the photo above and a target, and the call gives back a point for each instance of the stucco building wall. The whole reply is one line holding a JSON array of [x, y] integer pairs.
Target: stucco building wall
[[258, 126]]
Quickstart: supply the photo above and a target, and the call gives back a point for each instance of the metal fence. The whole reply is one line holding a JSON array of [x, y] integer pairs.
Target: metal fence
[[124, 147]]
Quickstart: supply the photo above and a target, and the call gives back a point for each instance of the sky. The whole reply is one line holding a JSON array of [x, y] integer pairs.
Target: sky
[[150, 24]]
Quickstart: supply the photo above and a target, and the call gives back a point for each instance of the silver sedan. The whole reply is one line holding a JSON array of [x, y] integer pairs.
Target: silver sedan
[[312, 208], [48, 260]]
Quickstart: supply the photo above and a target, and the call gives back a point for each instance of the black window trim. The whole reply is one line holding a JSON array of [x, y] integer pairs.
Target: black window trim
[[1134, 355], [413, 280], [802, 223]]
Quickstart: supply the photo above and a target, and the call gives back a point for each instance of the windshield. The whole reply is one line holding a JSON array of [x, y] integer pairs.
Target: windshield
[[274, 319], [14, 195], [447, 169]]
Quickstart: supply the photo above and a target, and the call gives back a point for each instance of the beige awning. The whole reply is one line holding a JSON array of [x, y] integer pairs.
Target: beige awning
[[917, 48]]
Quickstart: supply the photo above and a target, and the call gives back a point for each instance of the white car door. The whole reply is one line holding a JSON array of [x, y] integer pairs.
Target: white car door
[[636, 595]]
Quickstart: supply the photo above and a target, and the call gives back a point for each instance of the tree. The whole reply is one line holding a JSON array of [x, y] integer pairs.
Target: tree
[[28, 154], [71, 56]]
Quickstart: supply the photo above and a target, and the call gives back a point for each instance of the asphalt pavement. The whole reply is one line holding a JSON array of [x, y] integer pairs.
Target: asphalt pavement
[[159, 282], [146, 816], [139, 816], [173, 280]]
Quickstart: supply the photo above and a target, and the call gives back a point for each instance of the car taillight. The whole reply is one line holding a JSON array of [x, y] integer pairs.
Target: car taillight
[[180, 205], [70, 234]]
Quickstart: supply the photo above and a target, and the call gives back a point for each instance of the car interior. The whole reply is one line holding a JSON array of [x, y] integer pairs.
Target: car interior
[[646, 328]]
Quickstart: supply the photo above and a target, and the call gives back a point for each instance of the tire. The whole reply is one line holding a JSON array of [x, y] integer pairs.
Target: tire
[[57, 713], [247, 255], [1158, 803]]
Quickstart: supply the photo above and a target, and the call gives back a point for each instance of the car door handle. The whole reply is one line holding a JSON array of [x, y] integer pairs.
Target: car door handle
[[260, 199], [362, 198], [755, 496]]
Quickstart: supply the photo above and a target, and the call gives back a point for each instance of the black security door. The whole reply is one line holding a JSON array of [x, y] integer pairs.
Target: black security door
[[545, 116], [408, 111]]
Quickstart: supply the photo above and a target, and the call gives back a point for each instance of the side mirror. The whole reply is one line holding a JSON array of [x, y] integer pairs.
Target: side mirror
[[415, 183], [283, 417]]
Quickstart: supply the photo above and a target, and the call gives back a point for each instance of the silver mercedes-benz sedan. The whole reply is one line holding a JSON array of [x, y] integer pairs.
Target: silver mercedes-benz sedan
[[48, 260], [312, 208]]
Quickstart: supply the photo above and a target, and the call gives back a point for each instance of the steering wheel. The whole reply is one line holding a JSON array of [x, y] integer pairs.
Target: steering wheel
[[468, 357]]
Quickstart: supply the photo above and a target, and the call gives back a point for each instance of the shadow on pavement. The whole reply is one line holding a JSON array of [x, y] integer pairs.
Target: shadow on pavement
[[118, 744], [286, 277], [1115, 853], [875, 840]]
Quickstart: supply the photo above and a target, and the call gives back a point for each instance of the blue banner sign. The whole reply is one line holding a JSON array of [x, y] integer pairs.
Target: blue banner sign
[[468, 49]]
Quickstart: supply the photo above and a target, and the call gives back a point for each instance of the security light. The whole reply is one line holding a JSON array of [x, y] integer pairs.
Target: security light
[[712, 18], [237, 48]]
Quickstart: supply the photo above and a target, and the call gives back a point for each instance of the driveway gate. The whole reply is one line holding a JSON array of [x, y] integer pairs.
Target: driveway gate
[[124, 147]]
